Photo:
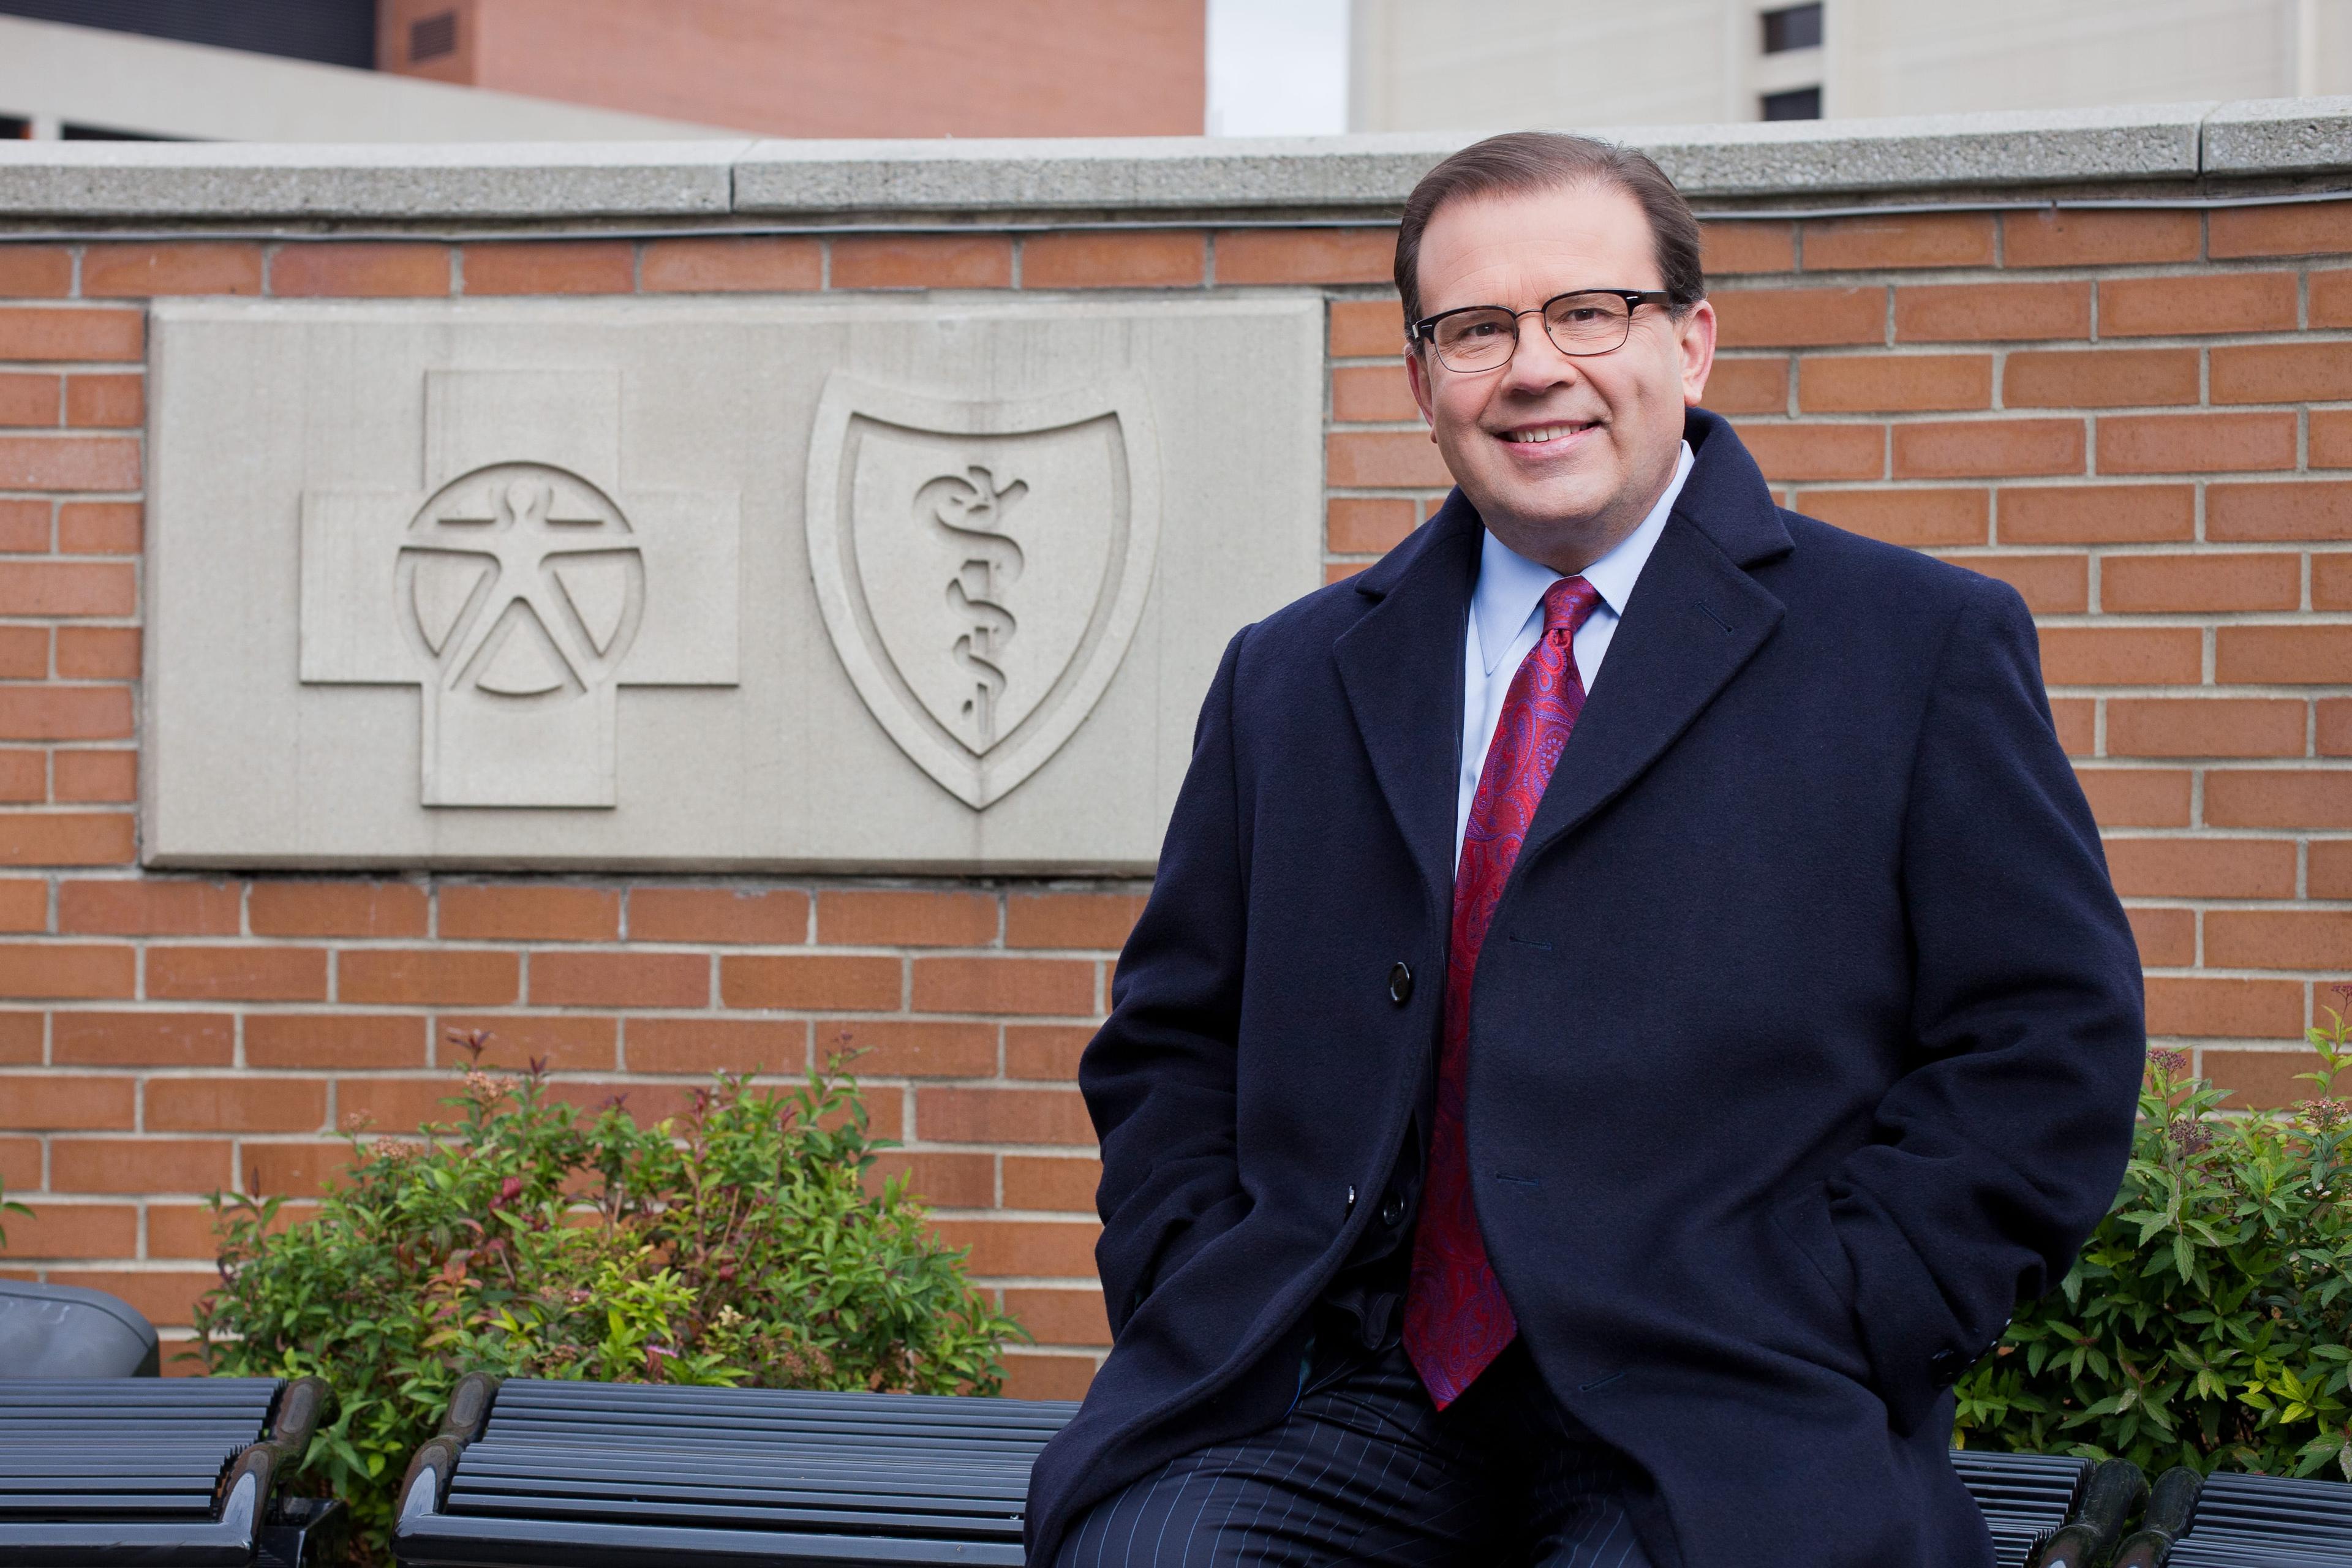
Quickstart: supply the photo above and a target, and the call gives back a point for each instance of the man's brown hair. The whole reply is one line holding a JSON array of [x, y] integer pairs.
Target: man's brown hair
[[1526, 161]]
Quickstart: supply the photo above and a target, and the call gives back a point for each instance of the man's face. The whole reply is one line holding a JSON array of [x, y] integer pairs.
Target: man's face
[[1610, 425]]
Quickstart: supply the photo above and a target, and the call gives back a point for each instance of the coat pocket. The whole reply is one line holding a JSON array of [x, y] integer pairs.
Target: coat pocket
[[1826, 1280]]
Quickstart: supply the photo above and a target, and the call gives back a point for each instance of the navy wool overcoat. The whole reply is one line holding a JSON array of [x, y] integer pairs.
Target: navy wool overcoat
[[1804, 1043]]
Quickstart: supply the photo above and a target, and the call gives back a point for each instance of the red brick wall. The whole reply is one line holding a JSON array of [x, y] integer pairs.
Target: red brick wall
[[2142, 420]]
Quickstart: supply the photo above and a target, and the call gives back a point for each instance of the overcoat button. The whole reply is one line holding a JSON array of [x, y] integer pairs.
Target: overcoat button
[[1399, 984], [1392, 1211]]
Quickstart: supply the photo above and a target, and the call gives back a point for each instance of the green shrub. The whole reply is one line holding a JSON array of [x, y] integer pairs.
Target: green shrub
[[2208, 1320], [739, 1246], [9, 1206]]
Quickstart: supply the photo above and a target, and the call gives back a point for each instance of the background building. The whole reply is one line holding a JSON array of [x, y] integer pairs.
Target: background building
[[1420, 65]]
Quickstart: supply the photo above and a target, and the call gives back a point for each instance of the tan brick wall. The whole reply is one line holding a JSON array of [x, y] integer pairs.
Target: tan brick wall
[[2142, 420]]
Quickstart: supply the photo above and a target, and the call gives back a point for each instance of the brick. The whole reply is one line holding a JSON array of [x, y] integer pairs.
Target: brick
[[2167, 938], [2195, 443], [2050, 585], [75, 972], [1362, 329], [2260, 1080], [337, 909], [2278, 939], [1868, 384], [2290, 228], [2096, 514], [2094, 239], [285, 1169], [2331, 581], [2074, 720], [643, 1103], [2329, 300], [1799, 318], [90, 776], [922, 261], [718, 1045], [2122, 656], [1033, 1376], [1083, 258], [956, 1115], [394, 1105], [24, 775], [2201, 302], [2333, 728], [732, 264], [1728, 245], [562, 1042], [68, 463], [1364, 525], [98, 527], [1374, 459], [2328, 870], [530, 913], [873, 918], [1972, 449], [1023, 1248], [1368, 391], [106, 402], [242, 1104], [65, 712], [811, 980], [20, 1161], [142, 1039], [1749, 386], [1991, 312], [2202, 868], [2299, 798], [150, 907], [2205, 727], [139, 1164], [1909, 239], [197, 267], [24, 904], [24, 527], [2331, 438], [1793, 452], [903, 1048], [2203, 1006], [80, 1102], [97, 652], [1020, 986], [369, 269], [23, 653], [2210, 582], [1047, 1182], [334, 1040], [455, 977], [30, 401], [32, 332], [1919, 519], [550, 266], [67, 838], [238, 974], [2282, 372], [1045, 1051], [1340, 570], [620, 979], [2136, 797], [2283, 656], [74, 1230], [1306, 255], [2098, 378], [1096, 921], [943, 1180], [776, 917], [36, 271]]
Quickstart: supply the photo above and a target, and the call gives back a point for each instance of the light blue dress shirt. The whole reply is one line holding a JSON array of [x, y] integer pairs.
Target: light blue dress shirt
[[1507, 618]]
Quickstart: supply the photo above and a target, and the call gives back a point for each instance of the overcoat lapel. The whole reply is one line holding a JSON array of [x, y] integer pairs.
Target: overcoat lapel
[[1401, 668]]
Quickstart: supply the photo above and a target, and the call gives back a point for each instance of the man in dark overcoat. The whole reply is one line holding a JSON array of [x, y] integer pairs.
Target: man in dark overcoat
[[1631, 998]]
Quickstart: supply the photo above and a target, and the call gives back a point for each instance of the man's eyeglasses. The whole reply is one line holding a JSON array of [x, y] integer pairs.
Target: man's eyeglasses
[[1585, 322]]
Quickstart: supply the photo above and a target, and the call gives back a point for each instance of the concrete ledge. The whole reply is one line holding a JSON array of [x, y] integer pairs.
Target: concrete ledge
[[1194, 175], [384, 180]]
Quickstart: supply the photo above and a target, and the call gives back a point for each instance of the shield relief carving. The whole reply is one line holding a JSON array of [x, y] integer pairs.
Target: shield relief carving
[[981, 564]]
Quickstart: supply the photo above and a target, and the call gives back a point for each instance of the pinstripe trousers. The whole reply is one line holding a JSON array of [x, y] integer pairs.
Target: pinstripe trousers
[[1365, 1470]]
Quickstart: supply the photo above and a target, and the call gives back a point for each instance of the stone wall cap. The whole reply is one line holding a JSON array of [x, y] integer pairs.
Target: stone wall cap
[[2278, 136], [371, 180]]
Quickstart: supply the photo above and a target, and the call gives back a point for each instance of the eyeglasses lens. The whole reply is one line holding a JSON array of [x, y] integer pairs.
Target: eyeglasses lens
[[1578, 325]]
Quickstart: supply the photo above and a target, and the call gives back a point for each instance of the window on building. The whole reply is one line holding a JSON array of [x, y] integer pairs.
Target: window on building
[[1797, 103], [12, 128], [1793, 27], [331, 32], [73, 131], [430, 37]]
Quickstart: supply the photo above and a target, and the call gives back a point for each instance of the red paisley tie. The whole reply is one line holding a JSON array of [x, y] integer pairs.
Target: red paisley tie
[[1455, 1319]]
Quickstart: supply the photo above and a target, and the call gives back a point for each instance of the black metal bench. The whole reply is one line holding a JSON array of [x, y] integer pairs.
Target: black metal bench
[[154, 1470]]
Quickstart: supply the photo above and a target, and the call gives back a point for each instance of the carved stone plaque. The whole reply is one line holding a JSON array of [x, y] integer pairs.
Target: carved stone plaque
[[836, 585]]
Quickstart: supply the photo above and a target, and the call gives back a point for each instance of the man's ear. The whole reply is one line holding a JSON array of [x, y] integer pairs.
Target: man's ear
[[1694, 339], [1416, 375]]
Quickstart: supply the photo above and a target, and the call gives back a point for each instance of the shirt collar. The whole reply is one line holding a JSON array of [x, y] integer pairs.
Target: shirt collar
[[1511, 587]]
